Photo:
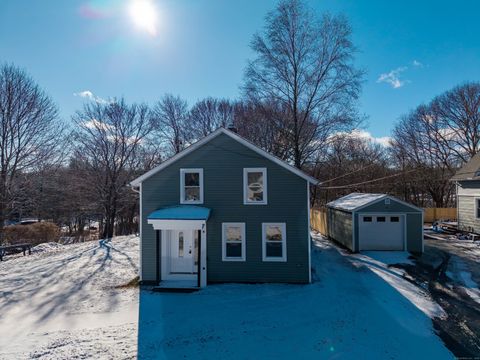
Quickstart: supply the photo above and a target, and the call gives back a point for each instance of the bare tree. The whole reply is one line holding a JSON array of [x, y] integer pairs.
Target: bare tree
[[209, 114], [419, 148], [172, 122], [31, 134], [110, 138], [456, 113], [305, 66]]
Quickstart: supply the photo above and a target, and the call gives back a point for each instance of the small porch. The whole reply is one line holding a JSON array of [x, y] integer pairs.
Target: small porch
[[181, 239]]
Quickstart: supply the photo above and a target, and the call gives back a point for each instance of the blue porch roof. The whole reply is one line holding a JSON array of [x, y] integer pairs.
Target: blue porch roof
[[180, 212]]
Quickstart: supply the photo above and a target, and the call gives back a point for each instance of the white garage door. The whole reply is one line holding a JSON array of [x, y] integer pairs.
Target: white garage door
[[381, 232]]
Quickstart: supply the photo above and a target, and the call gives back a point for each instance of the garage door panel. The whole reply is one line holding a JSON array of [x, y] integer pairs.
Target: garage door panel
[[381, 232]]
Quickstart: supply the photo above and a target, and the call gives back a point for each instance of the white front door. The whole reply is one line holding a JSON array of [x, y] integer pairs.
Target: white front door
[[184, 252]]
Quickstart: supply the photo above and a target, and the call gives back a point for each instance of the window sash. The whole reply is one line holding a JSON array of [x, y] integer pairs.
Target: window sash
[[249, 183], [231, 245], [269, 245], [184, 188]]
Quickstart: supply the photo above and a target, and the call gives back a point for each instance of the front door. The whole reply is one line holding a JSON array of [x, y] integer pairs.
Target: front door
[[184, 252]]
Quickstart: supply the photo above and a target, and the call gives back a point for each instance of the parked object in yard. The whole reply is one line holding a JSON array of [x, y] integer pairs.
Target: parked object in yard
[[13, 249], [362, 221], [467, 181], [223, 210]]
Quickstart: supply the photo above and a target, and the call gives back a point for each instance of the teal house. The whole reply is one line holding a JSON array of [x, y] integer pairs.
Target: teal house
[[224, 210]]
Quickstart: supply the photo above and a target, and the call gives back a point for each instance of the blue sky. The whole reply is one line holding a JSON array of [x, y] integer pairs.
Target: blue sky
[[201, 48]]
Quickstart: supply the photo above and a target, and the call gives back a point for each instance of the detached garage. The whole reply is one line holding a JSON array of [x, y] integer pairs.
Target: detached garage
[[375, 222]]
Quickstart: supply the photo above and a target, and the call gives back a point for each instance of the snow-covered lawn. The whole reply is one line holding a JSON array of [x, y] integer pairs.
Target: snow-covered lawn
[[62, 304]]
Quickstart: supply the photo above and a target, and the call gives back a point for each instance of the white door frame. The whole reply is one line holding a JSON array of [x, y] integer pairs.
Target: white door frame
[[401, 215], [165, 226]]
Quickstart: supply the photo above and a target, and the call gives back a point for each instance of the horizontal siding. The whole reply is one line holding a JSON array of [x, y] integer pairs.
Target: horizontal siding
[[468, 188], [340, 227], [223, 160], [414, 233], [467, 220]]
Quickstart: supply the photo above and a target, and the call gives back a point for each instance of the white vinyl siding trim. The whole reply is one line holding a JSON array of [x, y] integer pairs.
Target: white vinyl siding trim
[[264, 200], [283, 228], [225, 241], [183, 172]]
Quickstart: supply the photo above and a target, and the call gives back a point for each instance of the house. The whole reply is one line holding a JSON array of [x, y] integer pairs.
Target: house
[[362, 221], [467, 181], [224, 210]]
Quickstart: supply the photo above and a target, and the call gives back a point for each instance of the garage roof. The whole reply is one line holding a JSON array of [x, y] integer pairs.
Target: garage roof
[[353, 201]]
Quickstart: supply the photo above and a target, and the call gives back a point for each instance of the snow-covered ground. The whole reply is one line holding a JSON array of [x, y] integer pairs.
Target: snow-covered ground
[[62, 304]]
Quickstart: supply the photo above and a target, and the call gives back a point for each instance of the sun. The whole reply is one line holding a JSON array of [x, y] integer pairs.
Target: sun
[[144, 15]]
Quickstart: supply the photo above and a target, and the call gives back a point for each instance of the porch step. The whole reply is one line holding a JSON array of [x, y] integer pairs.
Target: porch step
[[178, 286]]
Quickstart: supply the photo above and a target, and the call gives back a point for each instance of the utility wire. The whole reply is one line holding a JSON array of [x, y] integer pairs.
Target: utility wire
[[365, 182]]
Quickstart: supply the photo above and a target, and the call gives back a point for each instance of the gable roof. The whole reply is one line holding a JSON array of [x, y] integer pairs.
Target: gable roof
[[469, 171], [234, 136], [357, 201]]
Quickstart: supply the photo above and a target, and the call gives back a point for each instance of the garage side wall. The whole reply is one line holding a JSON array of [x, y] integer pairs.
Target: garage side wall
[[413, 221], [340, 227]]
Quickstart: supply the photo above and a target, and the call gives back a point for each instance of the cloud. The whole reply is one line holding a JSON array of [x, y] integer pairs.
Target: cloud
[[87, 94], [417, 64], [393, 77], [364, 135], [96, 124]]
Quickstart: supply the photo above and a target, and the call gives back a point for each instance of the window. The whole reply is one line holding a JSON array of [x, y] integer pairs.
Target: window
[[233, 241], [181, 243], [394, 219], [274, 241], [367, 219], [255, 186], [191, 186], [380, 218], [477, 208]]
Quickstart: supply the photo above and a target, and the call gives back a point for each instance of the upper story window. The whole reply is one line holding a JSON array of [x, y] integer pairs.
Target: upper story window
[[191, 186], [255, 186]]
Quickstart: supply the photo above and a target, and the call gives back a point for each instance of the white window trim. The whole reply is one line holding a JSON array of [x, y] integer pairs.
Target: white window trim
[[182, 186], [283, 226], [224, 242], [245, 186], [476, 208]]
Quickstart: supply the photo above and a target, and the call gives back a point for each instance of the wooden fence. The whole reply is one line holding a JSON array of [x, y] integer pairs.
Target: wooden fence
[[433, 214], [318, 217], [318, 220]]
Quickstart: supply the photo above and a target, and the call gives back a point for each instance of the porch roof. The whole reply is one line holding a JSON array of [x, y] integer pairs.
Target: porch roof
[[180, 212]]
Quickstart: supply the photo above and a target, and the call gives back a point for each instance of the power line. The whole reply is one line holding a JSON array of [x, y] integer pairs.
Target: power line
[[365, 182]]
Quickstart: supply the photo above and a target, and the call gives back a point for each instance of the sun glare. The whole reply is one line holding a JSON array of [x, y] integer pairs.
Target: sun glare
[[144, 15]]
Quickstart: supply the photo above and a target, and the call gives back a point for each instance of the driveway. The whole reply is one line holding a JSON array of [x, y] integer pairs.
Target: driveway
[[449, 270]]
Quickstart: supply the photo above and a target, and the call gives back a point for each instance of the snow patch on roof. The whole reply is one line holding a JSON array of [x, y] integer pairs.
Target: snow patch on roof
[[354, 200]]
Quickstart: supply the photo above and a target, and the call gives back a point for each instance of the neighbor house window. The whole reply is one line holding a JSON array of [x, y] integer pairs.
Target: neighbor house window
[[477, 208], [274, 242], [233, 241], [191, 186], [255, 186]]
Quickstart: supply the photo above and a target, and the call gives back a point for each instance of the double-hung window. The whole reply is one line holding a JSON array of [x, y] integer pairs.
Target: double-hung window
[[191, 186], [255, 186], [274, 242], [233, 241]]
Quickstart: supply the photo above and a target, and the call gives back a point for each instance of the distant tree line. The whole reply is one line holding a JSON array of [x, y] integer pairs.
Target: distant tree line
[[298, 102]]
